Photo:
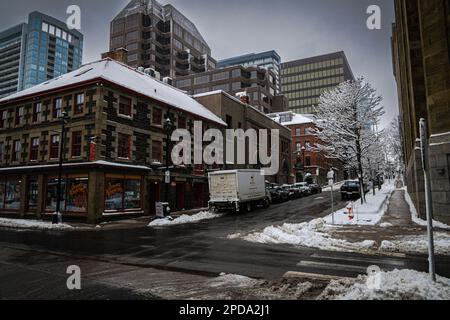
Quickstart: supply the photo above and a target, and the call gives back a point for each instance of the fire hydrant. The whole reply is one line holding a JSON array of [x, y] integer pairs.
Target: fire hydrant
[[350, 211]]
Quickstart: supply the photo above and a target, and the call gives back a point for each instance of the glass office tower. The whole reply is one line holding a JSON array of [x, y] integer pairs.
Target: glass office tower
[[269, 60], [35, 52]]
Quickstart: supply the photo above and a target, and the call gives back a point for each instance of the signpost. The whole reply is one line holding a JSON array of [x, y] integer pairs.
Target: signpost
[[426, 173], [330, 177]]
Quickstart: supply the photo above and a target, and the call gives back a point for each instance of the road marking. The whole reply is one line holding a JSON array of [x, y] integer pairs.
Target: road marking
[[319, 198], [367, 260], [333, 266]]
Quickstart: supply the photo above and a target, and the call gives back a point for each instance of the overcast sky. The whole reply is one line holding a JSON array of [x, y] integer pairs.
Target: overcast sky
[[294, 28]]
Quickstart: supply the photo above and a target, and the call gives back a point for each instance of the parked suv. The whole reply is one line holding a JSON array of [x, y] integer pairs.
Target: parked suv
[[315, 188], [351, 190]]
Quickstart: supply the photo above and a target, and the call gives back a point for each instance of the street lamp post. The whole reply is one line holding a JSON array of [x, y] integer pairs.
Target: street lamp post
[[57, 214], [168, 127], [304, 164]]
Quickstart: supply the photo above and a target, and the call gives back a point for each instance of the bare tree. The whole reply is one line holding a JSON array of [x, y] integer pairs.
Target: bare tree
[[347, 117]]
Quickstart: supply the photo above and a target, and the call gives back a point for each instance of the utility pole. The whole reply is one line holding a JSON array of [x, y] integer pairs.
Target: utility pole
[[426, 173]]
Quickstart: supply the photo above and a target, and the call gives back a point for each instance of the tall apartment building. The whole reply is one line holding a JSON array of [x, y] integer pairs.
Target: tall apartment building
[[34, 52], [270, 60], [258, 83], [303, 81], [160, 37], [421, 55]]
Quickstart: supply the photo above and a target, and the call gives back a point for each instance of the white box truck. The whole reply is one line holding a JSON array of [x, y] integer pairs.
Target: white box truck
[[240, 190]]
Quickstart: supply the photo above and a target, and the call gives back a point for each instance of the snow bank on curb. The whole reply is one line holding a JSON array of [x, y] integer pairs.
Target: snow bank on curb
[[204, 215], [418, 244], [232, 280], [415, 216], [393, 285], [369, 213], [32, 224], [311, 234]]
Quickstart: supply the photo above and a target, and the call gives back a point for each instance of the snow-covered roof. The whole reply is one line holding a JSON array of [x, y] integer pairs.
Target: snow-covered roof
[[126, 77], [296, 119]]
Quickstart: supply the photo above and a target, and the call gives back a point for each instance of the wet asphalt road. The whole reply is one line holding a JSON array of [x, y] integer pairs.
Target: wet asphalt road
[[203, 248]]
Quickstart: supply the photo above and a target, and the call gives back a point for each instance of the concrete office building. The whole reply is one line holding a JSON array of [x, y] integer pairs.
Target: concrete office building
[[258, 83], [34, 52], [270, 60], [160, 37], [421, 46], [303, 81]]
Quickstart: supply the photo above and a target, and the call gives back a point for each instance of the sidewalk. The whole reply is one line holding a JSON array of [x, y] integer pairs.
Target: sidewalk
[[396, 231]]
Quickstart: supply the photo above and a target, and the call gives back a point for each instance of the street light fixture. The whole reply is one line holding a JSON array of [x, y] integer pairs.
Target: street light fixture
[[56, 218], [168, 128]]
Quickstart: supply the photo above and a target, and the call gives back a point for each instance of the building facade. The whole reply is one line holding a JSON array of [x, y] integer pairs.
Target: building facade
[[114, 146], [160, 37], [420, 47], [304, 80], [34, 52], [308, 163], [258, 83], [270, 60], [238, 114]]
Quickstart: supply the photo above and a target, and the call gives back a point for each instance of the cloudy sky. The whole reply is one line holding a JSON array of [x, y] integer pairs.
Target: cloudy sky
[[294, 28]]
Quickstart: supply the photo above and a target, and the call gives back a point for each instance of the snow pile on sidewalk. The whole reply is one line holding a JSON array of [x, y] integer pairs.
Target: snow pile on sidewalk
[[336, 187], [369, 213], [32, 224], [233, 280], [415, 216], [311, 234], [204, 215], [393, 285], [418, 244]]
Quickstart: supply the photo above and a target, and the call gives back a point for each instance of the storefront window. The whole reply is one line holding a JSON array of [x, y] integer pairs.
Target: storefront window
[[122, 194], [52, 194], [12, 197], [132, 194], [74, 192], [2, 193], [77, 195], [33, 192]]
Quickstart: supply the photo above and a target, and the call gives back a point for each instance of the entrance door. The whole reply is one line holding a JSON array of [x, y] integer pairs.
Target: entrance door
[[154, 195], [198, 194], [180, 195]]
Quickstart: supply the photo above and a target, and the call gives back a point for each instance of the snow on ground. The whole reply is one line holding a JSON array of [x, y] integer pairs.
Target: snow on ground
[[415, 216], [418, 244], [393, 285], [369, 213], [204, 215], [232, 280], [311, 234], [336, 186], [32, 224]]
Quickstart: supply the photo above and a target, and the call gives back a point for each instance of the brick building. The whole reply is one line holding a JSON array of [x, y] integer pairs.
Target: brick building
[[308, 164], [237, 113], [421, 55], [114, 145]]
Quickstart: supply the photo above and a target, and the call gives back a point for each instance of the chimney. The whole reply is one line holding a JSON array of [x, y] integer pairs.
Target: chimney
[[120, 54], [243, 96]]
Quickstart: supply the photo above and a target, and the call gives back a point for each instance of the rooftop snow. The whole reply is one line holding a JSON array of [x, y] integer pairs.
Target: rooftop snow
[[126, 77], [296, 120]]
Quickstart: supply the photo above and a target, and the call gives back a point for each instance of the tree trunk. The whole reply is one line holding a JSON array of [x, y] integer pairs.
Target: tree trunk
[[360, 167]]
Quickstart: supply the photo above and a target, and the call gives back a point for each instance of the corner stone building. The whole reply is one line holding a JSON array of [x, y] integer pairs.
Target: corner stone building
[[114, 146], [421, 54]]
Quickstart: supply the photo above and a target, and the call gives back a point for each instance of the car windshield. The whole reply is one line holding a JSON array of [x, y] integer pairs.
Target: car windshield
[[352, 184]]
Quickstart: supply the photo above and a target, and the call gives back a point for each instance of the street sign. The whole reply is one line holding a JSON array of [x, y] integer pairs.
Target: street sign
[[330, 174], [167, 177], [330, 182], [159, 210]]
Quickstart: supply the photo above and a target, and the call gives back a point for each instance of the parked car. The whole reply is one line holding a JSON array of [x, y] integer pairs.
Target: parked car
[[278, 195], [351, 189], [293, 193], [315, 188], [304, 188]]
